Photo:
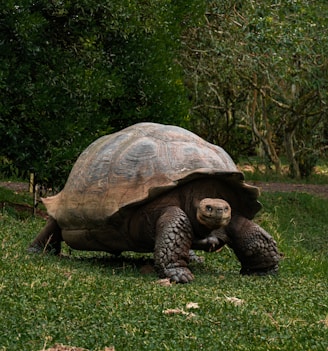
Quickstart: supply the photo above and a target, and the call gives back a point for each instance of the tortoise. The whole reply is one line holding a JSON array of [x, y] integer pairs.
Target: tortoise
[[162, 189]]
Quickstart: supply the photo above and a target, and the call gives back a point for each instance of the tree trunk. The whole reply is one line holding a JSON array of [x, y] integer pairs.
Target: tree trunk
[[268, 137], [265, 137], [294, 169]]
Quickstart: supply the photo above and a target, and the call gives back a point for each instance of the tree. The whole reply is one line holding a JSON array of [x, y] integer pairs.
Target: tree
[[258, 75], [73, 71], [210, 62], [293, 75]]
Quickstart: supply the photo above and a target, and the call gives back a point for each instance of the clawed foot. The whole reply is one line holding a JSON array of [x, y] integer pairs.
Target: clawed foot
[[255, 248], [179, 275], [195, 258], [54, 248], [34, 249], [215, 241]]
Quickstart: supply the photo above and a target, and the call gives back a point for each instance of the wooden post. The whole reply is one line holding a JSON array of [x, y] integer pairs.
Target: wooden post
[[31, 185], [35, 199]]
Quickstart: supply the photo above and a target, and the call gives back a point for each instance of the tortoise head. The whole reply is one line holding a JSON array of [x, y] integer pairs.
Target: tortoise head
[[213, 213]]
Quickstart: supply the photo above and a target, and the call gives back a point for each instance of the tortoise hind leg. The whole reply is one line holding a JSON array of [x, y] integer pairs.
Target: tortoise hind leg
[[173, 242], [49, 239]]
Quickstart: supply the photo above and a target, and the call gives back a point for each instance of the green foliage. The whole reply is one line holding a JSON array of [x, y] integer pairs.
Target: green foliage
[[73, 71], [258, 78], [9, 169], [92, 300], [211, 62], [301, 228], [249, 77]]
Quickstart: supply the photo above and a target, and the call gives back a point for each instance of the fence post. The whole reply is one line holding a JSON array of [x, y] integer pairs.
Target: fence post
[[31, 185]]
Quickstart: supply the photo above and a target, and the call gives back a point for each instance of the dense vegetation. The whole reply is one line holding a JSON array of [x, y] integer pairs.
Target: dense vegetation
[[249, 76], [94, 300], [258, 72], [72, 71]]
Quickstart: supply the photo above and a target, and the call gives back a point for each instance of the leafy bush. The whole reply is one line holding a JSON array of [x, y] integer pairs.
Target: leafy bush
[[73, 71]]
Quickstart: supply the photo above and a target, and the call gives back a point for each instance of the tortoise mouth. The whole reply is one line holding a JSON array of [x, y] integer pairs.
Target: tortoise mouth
[[213, 222]]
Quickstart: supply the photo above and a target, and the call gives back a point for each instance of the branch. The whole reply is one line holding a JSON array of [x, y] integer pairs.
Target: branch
[[266, 94]]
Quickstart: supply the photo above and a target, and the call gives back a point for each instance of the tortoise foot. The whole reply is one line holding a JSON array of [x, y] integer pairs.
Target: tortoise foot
[[49, 239], [34, 249], [193, 257], [54, 248], [179, 275], [256, 249]]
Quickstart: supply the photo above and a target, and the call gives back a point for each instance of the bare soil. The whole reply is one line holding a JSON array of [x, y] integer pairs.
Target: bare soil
[[19, 187], [313, 189], [320, 190]]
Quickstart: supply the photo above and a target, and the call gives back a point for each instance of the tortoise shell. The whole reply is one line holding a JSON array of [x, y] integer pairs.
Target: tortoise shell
[[134, 166]]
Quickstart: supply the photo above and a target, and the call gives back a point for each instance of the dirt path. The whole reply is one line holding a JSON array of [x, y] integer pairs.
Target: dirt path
[[320, 190], [313, 189], [19, 187]]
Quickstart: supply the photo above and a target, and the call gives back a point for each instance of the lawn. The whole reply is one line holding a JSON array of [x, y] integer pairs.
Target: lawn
[[95, 301]]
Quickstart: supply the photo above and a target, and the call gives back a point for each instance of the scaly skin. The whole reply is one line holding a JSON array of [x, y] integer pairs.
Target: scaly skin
[[254, 247], [256, 250], [173, 236], [173, 242]]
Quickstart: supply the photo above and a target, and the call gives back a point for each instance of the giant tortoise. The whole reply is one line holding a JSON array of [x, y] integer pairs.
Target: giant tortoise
[[162, 189]]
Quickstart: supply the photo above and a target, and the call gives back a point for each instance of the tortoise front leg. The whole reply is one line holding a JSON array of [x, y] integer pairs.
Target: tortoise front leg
[[48, 239], [213, 242], [172, 245], [256, 249]]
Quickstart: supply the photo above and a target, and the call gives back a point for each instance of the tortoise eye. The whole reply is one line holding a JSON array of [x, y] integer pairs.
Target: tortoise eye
[[226, 209], [209, 208]]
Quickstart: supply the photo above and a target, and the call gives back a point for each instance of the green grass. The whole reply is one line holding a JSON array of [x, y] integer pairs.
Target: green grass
[[92, 300], [7, 195], [9, 201]]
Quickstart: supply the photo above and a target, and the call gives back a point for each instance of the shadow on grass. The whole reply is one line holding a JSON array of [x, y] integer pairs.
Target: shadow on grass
[[130, 264]]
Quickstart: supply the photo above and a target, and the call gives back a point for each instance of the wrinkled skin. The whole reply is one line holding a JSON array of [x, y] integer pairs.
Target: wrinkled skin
[[255, 248], [171, 226]]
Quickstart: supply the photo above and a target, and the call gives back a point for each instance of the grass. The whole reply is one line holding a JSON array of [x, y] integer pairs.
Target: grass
[[18, 205], [93, 301], [7, 195]]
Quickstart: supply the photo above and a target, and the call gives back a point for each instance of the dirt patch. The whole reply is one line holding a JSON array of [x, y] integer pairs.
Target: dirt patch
[[320, 190], [19, 187], [23, 208]]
